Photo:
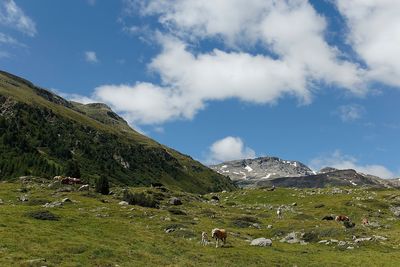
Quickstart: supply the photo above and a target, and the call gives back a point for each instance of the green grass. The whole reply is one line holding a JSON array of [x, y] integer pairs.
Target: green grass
[[92, 233]]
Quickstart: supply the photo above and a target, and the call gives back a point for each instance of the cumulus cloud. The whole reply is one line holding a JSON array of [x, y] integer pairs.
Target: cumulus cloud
[[13, 16], [348, 113], [291, 30], [341, 161], [229, 148], [374, 33], [91, 57]]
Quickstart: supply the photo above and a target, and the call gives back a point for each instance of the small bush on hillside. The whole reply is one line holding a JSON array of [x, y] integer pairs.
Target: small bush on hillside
[[140, 199], [43, 215]]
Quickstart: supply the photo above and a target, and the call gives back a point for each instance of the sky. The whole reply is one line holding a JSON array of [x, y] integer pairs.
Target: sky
[[314, 81]]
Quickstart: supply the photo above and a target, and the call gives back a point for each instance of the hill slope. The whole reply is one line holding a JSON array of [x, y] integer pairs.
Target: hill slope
[[40, 133]]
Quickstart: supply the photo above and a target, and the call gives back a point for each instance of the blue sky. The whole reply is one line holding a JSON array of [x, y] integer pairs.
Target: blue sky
[[314, 81]]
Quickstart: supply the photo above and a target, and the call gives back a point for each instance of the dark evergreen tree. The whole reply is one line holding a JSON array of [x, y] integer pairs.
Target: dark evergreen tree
[[72, 169], [102, 185]]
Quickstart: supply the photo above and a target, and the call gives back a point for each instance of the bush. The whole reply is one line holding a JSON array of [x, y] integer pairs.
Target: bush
[[43, 215], [102, 185], [140, 199], [72, 169]]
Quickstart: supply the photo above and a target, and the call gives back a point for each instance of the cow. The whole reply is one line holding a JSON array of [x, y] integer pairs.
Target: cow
[[204, 238], [342, 218], [219, 234], [70, 181]]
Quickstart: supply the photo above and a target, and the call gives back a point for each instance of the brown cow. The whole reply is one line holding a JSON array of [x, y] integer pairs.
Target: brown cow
[[219, 234], [342, 218], [70, 181]]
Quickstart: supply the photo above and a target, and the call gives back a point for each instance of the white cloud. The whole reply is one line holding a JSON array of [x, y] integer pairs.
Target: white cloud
[[13, 16], [229, 148], [292, 30], [348, 113], [90, 56], [340, 161], [374, 33]]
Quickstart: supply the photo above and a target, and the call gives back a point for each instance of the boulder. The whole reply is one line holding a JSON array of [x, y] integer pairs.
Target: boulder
[[65, 200], [23, 198], [395, 211], [261, 242], [123, 203], [215, 198], [175, 201], [170, 230], [291, 238], [84, 187]]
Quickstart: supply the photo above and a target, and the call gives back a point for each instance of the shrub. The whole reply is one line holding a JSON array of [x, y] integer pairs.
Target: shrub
[[43, 215], [102, 185], [72, 169], [140, 199]]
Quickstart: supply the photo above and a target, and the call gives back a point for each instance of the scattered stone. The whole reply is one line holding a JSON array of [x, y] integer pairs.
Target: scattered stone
[[1, 202], [84, 187], [65, 200], [294, 204], [380, 238], [395, 211], [261, 242], [291, 238], [215, 198], [35, 262], [256, 225], [52, 204], [175, 201], [269, 226], [323, 242], [350, 248], [170, 230], [123, 203], [362, 239], [23, 198], [342, 243]]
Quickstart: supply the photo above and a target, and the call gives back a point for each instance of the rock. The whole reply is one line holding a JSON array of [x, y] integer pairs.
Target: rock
[[362, 239], [175, 201], [348, 224], [342, 243], [52, 204], [65, 200], [269, 226], [261, 242], [215, 198], [294, 204], [35, 262], [395, 211], [84, 187], [256, 225], [380, 238], [350, 248], [323, 242], [23, 198], [1, 202], [291, 238], [123, 203], [170, 230]]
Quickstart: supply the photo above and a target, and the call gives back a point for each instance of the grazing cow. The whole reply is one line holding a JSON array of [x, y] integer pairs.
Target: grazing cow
[[219, 234], [204, 238], [279, 212], [365, 221], [342, 218]]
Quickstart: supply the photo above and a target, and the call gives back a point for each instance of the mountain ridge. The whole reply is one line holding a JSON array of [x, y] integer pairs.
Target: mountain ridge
[[41, 132]]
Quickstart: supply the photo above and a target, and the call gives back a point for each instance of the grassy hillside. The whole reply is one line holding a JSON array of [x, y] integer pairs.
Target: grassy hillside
[[40, 133], [94, 230]]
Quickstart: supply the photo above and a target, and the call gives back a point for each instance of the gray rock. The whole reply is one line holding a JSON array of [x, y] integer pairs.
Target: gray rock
[[84, 187], [291, 238], [175, 201], [261, 242], [362, 239], [269, 226], [65, 200], [123, 203], [52, 204], [23, 198], [170, 230], [395, 211]]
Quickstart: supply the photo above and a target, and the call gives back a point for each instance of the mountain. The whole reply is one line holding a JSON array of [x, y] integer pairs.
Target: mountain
[[249, 172], [268, 171], [41, 134], [330, 178]]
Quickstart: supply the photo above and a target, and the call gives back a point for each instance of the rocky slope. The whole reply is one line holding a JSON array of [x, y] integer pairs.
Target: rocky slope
[[40, 133], [249, 172], [268, 171]]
